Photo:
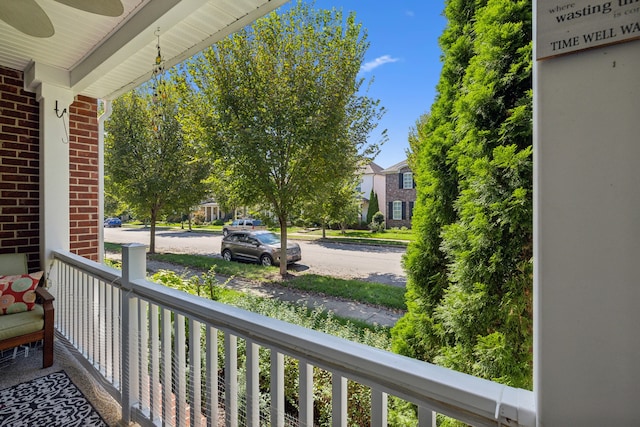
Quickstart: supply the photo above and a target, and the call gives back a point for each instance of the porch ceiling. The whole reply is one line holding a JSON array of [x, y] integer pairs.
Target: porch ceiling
[[103, 57]]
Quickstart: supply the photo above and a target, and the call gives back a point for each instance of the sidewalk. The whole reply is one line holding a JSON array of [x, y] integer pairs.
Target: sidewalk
[[343, 308]]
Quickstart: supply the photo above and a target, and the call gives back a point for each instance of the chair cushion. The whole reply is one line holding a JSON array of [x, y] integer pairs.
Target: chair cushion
[[17, 293], [13, 264], [22, 323]]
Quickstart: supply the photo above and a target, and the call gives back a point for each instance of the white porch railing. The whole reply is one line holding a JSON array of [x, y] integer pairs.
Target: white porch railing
[[159, 350]]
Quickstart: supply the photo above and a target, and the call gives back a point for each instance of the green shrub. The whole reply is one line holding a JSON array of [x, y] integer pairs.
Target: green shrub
[[377, 224], [359, 396]]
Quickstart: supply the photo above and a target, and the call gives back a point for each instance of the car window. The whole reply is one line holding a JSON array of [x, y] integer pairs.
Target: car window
[[236, 237], [268, 238]]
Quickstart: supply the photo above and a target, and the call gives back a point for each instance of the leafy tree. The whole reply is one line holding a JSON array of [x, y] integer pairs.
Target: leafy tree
[[373, 206], [281, 108], [338, 207], [470, 273], [150, 165]]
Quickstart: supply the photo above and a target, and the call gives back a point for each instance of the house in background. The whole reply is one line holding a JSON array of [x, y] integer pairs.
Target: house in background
[[396, 191], [399, 195], [211, 211], [371, 179]]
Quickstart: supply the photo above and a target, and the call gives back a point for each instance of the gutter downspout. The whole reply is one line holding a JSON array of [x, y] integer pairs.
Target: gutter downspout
[[101, 119]]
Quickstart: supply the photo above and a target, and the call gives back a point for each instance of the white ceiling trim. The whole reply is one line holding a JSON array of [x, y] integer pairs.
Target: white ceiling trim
[[104, 57], [132, 37], [176, 24]]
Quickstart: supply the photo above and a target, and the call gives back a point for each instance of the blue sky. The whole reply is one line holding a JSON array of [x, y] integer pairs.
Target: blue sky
[[404, 60]]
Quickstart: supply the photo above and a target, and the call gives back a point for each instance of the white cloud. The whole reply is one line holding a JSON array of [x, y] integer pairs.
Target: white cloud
[[381, 60], [410, 13]]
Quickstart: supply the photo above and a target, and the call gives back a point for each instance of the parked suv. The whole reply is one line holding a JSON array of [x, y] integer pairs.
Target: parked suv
[[258, 246], [243, 225]]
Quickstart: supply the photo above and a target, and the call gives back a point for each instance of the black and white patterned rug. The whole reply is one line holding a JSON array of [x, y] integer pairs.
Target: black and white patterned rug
[[50, 401]]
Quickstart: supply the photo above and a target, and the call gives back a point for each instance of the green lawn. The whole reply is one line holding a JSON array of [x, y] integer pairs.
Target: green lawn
[[394, 237], [379, 294]]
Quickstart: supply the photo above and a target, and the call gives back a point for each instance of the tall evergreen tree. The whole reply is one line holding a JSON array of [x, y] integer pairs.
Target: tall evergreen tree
[[470, 271], [373, 206]]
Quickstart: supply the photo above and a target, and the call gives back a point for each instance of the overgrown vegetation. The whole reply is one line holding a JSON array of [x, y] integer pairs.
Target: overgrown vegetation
[[469, 289], [359, 396], [355, 290]]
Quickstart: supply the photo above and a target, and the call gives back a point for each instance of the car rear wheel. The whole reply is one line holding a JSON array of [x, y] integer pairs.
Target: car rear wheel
[[226, 255], [266, 260]]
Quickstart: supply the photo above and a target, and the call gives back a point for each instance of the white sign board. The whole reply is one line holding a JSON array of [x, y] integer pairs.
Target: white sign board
[[565, 26]]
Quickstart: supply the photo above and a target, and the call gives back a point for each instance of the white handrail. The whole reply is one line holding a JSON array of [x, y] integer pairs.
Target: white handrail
[[461, 396]]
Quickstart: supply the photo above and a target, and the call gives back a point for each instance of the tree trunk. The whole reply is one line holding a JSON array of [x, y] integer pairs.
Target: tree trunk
[[152, 235], [283, 246]]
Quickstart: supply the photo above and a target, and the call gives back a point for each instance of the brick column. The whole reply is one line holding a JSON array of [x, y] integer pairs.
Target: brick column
[[84, 178], [19, 168]]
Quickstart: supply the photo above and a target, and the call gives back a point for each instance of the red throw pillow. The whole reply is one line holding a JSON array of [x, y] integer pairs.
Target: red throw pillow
[[17, 293]]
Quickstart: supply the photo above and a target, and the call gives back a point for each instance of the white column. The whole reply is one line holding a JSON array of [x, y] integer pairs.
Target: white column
[[587, 237], [54, 169], [103, 117]]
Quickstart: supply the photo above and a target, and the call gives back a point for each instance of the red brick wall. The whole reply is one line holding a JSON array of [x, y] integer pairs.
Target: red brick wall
[[19, 168], [395, 193], [84, 177], [20, 172]]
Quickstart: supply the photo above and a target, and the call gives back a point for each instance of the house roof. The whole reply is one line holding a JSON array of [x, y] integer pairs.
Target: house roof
[[103, 56], [372, 168], [395, 168]]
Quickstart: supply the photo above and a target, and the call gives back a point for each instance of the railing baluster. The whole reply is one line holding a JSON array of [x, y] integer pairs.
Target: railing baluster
[[91, 308], [378, 408], [306, 394], [167, 401], [212, 377], [100, 301], [426, 417], [338, 400], [86, 316], [130, 349], [75, 297], [277, 388], [155, 392], [180, 363], [143, 353], [116, 322], [253, 384], [231, 379], [195, 369]]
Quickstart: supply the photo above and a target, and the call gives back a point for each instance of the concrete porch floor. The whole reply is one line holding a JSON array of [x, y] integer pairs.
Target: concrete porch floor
[[14, 371]]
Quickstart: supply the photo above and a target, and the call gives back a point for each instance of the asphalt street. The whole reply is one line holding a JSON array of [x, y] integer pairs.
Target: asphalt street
[[380, 264]]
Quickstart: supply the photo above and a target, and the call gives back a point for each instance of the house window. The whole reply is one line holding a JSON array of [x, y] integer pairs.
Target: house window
[[397, 210], [407, 180]]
